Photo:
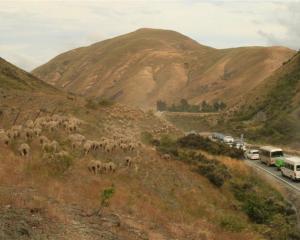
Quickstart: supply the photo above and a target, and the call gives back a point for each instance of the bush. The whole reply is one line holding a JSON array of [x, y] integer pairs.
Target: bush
[[261, 204], [95, 103], [105, 102], [168, 145], [106, 195], [197, 142], [147, 137], [216, 172]]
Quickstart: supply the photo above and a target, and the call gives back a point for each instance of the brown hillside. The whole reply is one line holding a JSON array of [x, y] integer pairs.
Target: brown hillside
[[144, 66], [52, 193], [271, 111]]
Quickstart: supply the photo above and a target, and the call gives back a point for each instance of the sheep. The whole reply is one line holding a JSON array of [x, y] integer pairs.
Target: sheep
[[166, 156], [4, 138], [76, 140], [11, 134], [87, 146], [29, 124], [16, 129], [27, 133], [128, 161], [53, 125], [24, 149], [37, 131], [43, 139], [109, 167], [62, 154], [50, 146], [109, 148], [95, 166], [70, 126]]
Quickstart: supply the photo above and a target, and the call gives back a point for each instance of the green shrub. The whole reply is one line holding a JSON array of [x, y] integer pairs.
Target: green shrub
[[147, 137], [96, 103], [105, 102], [106, 195], [262, 204], [168, 145], [197, 142], [216, 172]]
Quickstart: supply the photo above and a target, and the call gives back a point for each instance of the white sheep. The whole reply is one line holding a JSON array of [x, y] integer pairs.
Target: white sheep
[[109, 167], [29, 124], [24, 149], [43, 139], [62, 154], [11, 134], [37, 131], [87, 146], [27, 133], [76, 140], [4, 138], [128, 161], [166, 156], [50, 146], [95, 166]]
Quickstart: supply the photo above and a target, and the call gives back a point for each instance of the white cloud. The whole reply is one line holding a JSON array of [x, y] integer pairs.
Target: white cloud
[[46, 28]]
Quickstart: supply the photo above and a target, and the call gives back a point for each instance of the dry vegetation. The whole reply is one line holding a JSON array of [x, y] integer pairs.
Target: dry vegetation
[[54, 192]]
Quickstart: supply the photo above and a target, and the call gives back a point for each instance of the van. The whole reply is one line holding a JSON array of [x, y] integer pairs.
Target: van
[[271, 155], [291, 168], [252, 154]]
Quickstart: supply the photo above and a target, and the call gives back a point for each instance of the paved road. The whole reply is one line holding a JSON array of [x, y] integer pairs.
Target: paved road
[[274, 173]]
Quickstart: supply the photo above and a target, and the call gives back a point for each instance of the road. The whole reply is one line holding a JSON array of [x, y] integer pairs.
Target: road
[[274, 173]]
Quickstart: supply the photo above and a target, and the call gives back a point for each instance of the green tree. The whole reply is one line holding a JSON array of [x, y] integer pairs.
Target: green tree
[[161, 105]]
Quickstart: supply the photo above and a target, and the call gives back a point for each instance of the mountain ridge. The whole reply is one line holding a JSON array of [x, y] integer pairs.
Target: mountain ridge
[[147, 65]]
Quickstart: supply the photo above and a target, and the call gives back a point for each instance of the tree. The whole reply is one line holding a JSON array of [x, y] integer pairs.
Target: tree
[[184, 105], [161, 105]]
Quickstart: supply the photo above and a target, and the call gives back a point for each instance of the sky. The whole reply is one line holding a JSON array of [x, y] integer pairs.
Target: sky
[[33, 32]]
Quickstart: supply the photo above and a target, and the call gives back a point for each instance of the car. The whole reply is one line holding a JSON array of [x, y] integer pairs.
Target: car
[[228, 140], [193, 132], [252, 154], [291, 168], [238, 144]]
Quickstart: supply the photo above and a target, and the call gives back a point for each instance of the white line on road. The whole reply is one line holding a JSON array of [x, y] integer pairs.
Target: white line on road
[[274, 175]]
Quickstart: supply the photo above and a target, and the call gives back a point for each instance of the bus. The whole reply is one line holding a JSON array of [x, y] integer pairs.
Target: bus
[[271, 156], [291, 168]]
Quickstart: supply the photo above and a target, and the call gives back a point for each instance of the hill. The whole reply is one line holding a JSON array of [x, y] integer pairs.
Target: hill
[[271, 111], [147, 65], [13, 78], [148, 184]]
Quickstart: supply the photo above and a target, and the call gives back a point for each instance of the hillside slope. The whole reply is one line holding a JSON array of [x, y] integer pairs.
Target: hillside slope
[[147, 65], [55, 191], [13, 78], [272, 110]]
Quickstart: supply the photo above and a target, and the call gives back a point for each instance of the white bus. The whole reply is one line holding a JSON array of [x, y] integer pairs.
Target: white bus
[[270, 155], [291, 168]]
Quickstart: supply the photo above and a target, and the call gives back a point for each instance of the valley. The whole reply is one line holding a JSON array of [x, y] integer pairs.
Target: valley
[[85, 155]]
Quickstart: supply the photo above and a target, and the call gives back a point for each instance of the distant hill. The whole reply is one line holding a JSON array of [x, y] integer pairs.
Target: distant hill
[[147, 65], [272, 110], [14, 78]]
